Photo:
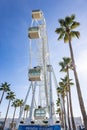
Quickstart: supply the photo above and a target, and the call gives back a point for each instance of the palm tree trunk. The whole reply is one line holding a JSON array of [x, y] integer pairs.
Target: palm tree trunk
[[65, 124], [2, 96], [82, 107], [24, 115], [6, 114], [13, 117], [71, 110], [70, 102], [61, 117], [68, 112]]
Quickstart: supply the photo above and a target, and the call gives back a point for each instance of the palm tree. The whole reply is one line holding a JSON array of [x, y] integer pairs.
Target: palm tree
[[15, 104], [27, 107], [66, 89], [20, 102], [10, 96], [66, 64], [66, 32], [4, 87], [26, 110], [67, 82], [67, 98], [59, 111], [62, 91]]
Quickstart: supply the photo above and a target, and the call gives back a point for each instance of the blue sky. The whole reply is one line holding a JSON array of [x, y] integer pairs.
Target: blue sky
[[15, 19]]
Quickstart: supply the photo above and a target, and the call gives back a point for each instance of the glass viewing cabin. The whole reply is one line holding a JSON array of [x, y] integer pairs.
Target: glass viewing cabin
[[34, 32], [39, 113], [37, 14], [35, 74]]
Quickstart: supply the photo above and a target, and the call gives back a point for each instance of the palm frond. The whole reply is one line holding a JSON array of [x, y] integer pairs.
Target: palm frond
[[59, 30], [62, 66], [75, 24], [67, 60], [73, 16], [72, 34], [75, 34], [61, 36], [68, 20], [71, 83], [61, 83], [66, 39], [62, 22]]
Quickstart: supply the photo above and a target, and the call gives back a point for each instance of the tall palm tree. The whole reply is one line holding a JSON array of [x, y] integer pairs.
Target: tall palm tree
[[58, 105], [27, 107], [66, 64], [66, 32], [10, 97], [59, 111], [20, 103], [67, 98], [67, 83], [4, 87], [26, 110], [15, 104], [62, 90]]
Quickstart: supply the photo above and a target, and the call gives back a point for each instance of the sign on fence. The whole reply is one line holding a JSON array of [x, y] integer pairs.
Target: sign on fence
[[36, 127]]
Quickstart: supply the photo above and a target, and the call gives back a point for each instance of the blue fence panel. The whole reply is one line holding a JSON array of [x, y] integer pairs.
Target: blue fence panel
[[36, 127]]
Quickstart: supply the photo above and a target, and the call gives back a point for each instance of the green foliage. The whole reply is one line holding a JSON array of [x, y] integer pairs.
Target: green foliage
[[73, 17], [66, 64], [66, 29], [64, 86], [5, 87], [58, 111], [59, 30], [27, 107], [17, 103], [62, 22], [75, 25], [10, 96], [61, 36], [68, 21], [58, 102], [66, 39]]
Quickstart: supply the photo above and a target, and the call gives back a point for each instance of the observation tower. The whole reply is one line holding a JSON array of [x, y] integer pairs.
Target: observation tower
[[42, 115]]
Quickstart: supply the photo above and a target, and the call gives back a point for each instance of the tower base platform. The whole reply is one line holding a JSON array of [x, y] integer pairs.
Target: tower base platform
[[38, 127]]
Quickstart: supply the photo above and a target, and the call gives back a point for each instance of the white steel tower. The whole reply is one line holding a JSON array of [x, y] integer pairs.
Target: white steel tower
[[42, 106], [39, 71]]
